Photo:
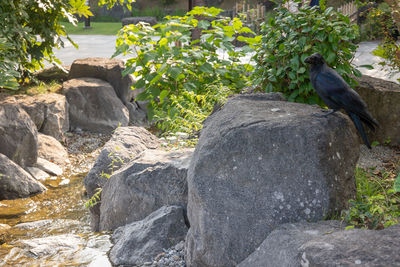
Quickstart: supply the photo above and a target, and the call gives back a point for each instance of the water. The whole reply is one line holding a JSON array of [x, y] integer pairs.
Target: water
[[51, 229]]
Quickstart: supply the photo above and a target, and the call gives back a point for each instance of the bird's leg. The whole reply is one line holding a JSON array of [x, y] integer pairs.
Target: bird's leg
[[326, 111]]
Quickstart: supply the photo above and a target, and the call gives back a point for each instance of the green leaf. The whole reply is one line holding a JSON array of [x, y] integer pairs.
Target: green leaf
[[140, 83], [174, 72], [204, 24], [206, 68], [369, 67], [163, 94]]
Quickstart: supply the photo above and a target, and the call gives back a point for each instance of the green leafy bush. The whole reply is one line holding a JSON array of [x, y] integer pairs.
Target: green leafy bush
[[29, 30], [288, 39], [183, 78]]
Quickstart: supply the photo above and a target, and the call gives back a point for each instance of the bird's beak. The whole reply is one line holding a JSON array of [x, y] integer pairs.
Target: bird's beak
[[308, 60]]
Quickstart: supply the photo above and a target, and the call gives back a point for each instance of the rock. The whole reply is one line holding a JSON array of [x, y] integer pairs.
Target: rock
[[259, 164], [18, 134], [326, 244], [141, 241], [53, 73], [15, 182], [52, 150], [60, 249], [137, 116], [135, 20], [125, 144], [4, 227], [49, 112], [109, 70], [49, 167], [94, 106], [383, 101], [144, 185], [37, 173]]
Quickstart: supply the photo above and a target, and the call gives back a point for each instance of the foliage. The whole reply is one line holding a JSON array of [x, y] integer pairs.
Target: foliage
[[184, 78], [97, 28], [377, 204], [288, 39], [156, 12], [29, 30], [378, 22]]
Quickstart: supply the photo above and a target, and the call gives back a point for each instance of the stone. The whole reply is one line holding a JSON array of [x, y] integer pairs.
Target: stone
[[52, 150], [137, 116], [49, 167], [38, 174], [15, 182], [326, 243], [18, 134], [94, 106], [109, 70], [261, 163], [155, 179], [49, 112], [53, 73], [59, 249], [383, 101], [135, 20], [125, 144], [141, 241]]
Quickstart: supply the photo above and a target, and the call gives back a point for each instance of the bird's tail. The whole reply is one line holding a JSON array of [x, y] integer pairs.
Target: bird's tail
[[357, 122]]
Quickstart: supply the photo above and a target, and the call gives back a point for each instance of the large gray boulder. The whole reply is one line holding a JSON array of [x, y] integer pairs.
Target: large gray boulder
[[109, 70], [142, 241], [49, 112], [259, 164], [15, 182], [155, 179], [383, 101], [326, 244], [94, 106], [126, 143], [18, 134], [52, 150]]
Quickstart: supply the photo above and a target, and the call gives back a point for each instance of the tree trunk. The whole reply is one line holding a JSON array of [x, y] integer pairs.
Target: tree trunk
[[196, 33]]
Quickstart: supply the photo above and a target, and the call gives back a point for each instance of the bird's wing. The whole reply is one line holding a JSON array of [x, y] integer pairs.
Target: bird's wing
[[339, 92]]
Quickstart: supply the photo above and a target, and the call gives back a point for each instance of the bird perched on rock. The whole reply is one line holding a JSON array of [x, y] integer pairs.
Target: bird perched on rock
[[337, 94]]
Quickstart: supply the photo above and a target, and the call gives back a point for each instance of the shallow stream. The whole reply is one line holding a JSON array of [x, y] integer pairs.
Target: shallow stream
[[52, 228]]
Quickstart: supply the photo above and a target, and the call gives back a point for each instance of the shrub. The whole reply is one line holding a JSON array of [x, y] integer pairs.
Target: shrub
[[29, 30], [183, 78], [288, 39]]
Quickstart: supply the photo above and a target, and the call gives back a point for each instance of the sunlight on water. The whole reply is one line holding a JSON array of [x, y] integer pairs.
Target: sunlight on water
[[51, 229]]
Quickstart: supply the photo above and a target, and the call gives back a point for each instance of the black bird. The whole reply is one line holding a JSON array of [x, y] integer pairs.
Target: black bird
[[337, 94]]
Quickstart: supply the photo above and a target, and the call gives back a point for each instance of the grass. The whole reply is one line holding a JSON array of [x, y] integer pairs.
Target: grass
[[377, 204], [35, 89], [97, 28]]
